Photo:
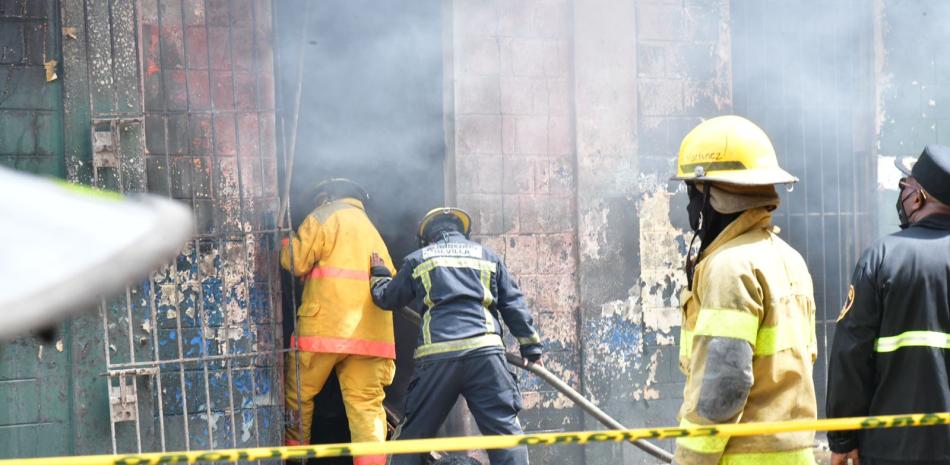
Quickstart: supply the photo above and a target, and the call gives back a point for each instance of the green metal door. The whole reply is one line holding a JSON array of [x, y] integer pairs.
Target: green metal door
[[34, 377]]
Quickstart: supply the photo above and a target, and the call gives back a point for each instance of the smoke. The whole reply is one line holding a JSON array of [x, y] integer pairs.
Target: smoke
[[841, 88], [804, 71], [370, 106], [370, 109], [838, 85]]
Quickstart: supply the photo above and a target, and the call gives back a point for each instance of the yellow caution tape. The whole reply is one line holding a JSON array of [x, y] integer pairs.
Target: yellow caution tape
[[493, 442]]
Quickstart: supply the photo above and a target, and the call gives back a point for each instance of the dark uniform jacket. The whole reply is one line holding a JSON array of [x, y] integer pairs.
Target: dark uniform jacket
[[461, 288], [891, 351]]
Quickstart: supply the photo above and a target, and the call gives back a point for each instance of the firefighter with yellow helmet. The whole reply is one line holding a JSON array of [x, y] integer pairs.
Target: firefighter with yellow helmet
[[338, 326], [464, 292], [748, 341]]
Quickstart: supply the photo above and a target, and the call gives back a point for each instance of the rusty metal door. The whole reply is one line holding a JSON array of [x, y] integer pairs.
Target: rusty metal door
[[178, 96], [194, 350]]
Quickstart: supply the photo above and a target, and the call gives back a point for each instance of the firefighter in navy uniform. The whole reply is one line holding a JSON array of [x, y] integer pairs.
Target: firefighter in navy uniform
[[463, 291], [891, 351]]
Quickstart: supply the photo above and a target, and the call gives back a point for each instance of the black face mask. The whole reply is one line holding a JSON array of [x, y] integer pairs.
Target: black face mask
[[706, 223], [694, 209], [902, 214]]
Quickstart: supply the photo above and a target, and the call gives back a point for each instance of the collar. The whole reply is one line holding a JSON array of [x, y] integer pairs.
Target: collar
[[754, 218], [351, 202], [937, 221], [455, 235]]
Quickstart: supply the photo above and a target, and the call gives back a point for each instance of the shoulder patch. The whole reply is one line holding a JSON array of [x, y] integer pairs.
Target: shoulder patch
[[848, 304], [452, 249]]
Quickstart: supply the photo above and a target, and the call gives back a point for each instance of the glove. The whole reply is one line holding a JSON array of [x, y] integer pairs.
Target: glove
[[531, 352], [378, 267]]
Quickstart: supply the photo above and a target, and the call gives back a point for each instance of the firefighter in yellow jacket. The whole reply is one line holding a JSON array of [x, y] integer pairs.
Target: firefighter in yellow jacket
[[748, 337], [338, 325]]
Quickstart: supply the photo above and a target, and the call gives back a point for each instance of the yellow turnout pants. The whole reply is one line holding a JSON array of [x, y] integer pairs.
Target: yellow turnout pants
[[362, 379]]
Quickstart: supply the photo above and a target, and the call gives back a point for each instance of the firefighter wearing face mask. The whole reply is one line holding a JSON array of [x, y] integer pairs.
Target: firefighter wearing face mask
[[748, 335], [891, 351], [338, 326]]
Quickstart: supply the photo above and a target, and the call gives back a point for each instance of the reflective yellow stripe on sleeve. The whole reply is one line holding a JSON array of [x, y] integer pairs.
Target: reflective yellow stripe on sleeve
[[721, 322], [792, 457], [796, 333], [913, 339], [532, 339], [701, 444]]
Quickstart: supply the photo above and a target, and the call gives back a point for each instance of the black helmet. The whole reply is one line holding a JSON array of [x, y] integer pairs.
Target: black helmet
[[339, 188]]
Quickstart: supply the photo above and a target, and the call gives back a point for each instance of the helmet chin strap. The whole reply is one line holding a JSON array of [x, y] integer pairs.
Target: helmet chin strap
[[701, 234]]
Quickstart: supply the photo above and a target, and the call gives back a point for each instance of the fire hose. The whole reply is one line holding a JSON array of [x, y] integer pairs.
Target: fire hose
[[568, 392]]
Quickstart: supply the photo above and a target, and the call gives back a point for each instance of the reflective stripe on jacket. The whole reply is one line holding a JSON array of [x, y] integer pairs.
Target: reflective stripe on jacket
[[331, 254], [461, 288], [752, 295]]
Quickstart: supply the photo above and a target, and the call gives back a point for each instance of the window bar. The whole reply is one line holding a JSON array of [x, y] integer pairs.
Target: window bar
[[257, 89], [200, 306], [288, 230], [158, 375], [128, 366], [242, 214], [105, 342], [185, 412]]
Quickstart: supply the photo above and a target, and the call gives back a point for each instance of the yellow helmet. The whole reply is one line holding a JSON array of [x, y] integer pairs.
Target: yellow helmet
[[462, 216], [730, 149]]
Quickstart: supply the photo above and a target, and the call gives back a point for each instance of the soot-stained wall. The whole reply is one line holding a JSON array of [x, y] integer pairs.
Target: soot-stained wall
[[567, 116], [567, 121], [515, 171]]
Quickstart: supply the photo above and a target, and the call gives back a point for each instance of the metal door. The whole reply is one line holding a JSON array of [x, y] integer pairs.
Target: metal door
[[182, 106], [804, 71], [174, 97]]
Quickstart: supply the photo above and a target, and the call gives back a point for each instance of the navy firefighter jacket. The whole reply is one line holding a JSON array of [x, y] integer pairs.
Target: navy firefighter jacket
[[461, 288]]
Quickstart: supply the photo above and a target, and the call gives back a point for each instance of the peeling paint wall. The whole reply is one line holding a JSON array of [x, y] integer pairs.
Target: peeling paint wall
[[210, 142], [566, 119], [645, 73]]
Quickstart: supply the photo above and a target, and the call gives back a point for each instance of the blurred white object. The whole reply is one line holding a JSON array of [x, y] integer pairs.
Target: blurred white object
[[63, 247]]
